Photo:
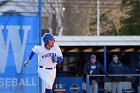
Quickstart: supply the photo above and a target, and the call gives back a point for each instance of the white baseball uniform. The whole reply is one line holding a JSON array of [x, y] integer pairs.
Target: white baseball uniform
[[47, 72]]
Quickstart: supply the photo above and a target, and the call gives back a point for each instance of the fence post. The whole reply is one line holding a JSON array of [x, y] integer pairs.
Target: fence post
[[105, 57], [40, 36], [87, 84]]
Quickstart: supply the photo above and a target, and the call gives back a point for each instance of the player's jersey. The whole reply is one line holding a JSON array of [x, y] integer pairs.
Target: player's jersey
[[45, 55]]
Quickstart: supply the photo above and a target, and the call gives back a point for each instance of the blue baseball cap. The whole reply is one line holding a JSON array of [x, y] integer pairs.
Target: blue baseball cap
[[114, 55], [47, 36], [93, 56]]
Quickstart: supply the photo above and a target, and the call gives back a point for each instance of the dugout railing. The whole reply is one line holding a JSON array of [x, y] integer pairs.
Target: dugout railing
[[127, 84]]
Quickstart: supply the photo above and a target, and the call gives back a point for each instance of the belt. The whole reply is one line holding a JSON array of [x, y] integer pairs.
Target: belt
[[47, 68]]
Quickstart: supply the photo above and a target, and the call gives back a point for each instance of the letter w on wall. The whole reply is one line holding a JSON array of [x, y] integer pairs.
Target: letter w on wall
[[18, 47]]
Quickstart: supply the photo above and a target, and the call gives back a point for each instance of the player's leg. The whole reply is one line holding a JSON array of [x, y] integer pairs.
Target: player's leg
[[95, 86], [114, 85], [48, 90], [45, 88], [91, 88], [52, 77], [52, 74], [119, 87], [46, 79]]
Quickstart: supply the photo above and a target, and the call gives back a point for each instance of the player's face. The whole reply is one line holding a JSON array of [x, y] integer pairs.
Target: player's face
[[50, 43], [93, 60], [115, 58]]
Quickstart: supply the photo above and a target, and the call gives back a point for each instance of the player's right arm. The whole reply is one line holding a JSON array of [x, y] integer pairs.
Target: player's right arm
[[35, 50], [28, 60]]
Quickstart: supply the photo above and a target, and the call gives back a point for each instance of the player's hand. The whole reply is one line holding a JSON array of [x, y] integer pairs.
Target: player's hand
[[54, 58], [26, 63]]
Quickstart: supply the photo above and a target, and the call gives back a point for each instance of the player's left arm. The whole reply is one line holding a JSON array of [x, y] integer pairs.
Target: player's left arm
[[58, 57]]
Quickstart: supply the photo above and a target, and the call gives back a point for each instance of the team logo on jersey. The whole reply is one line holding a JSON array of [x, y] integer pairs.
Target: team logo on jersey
[[48, 55]]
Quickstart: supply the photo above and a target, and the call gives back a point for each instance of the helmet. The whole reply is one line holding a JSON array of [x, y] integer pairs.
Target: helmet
[[114, 55], [93, 56], [47, 36]]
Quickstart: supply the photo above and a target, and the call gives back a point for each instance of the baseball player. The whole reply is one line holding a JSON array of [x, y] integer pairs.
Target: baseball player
[[49, 54], [116, 67]]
